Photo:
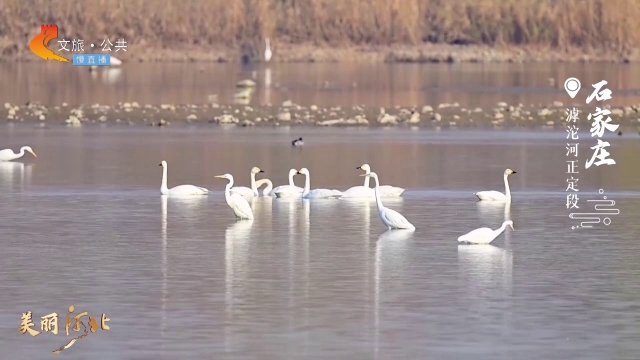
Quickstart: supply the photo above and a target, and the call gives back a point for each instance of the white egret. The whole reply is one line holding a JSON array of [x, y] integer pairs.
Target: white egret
[[367, 191], [297, 142], [484, 235], [493, 195], [236, 202], [288, 191], [389, 217], [316, 193], [267, 51], [267, 189], [249, 192], [181, 190], [8, 154]]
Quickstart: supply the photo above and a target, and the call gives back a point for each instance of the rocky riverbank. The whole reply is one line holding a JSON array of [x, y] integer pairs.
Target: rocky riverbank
[[445, 115]]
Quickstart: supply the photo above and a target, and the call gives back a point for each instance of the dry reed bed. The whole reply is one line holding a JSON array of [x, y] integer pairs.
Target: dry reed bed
[[242, 24]]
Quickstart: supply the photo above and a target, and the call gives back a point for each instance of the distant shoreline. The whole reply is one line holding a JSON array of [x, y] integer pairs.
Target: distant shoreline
[[308, 53]]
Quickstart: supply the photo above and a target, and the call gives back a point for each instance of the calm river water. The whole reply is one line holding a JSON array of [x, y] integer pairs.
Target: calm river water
[[471, 85], [84, 224]]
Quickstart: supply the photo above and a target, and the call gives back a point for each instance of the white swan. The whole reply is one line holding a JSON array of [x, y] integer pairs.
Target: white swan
[[249, 192], [267, 51], [484, 235], [367, 192], [316, 193], [236, 202], [8, 154], [288, 191], [389, 217], [181, 190], [267, 189], [493, 195], [360, 191]]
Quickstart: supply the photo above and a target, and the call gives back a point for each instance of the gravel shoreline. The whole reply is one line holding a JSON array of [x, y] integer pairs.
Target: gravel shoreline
[[501, 115]]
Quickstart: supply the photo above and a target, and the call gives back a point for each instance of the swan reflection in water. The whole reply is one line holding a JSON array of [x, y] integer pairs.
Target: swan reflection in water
[[492, 212], [237, 240], [391, 252], [163, 199], [111, 75]]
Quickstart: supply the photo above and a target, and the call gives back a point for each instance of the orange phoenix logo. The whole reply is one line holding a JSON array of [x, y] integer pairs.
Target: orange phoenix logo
[[39, 43]]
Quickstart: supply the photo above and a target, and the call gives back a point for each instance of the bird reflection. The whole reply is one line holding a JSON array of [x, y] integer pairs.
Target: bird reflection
[[306, 227], [164, 263], [507, 234], [492, 212], [262, 207], [189, 207], [237, 239], [9, 171], [486, 272], [391, 251], [267, 77], [111, 75]]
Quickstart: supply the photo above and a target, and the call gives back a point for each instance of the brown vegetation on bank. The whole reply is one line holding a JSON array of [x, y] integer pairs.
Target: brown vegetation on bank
[[240, 26]]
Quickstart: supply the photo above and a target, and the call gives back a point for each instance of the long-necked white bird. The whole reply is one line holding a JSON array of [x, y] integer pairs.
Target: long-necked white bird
[[389, 217], [267, 189], [267, 51], [316, 193], [288, 191], [249, 192], [181, 190], [484, 235], [493, 195], [8, 154], [366, 191], [236, 202]]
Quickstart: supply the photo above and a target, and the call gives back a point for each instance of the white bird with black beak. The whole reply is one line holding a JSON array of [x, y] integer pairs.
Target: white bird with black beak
[[249, 192], [181, 190]]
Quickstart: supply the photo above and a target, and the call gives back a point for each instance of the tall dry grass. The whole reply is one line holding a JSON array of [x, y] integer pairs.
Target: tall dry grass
[[244, 23]]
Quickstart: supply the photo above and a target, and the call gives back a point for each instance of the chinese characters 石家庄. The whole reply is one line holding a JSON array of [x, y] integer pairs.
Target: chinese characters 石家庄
[[600, 122]]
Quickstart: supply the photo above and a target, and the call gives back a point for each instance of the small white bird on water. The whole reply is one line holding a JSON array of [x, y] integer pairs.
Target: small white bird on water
[[389, 217], [267, 51], [236, 202], [493, 195], [8, 154], [316, 193], [365, 191], [181, 190], [288, 191], [484, 235], [297, 142]]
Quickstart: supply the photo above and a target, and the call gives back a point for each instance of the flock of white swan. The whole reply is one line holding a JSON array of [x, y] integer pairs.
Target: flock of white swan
[[237, 196]]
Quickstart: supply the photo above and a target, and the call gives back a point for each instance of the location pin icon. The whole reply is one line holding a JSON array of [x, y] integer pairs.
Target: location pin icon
[[572, 85]]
